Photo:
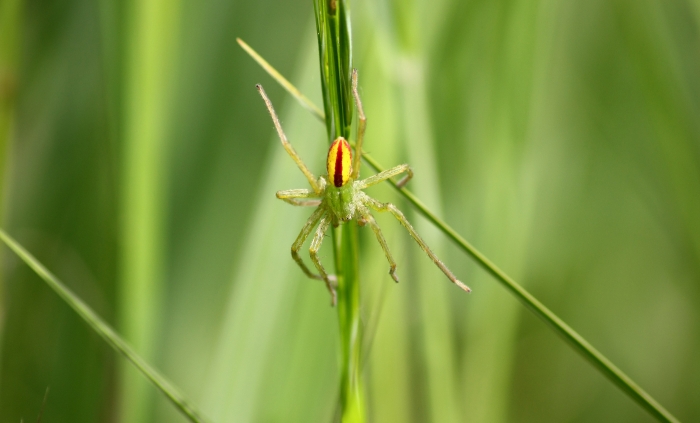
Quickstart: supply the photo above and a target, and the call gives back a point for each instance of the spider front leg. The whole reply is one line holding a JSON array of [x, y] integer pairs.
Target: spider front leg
[[367, 218], [298, 197], [305, 231], [389, 173], [313, 252], [285, 143], [382, 207]]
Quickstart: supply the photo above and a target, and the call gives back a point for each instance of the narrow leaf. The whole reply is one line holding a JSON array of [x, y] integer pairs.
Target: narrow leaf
[[335, 57], [105, 331], [282, 80]]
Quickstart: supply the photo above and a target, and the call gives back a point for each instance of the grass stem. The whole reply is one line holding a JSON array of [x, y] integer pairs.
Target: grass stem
[[351, 391], [335, 56], [151, 53], [301, 98], [10, 24], [105, 331]]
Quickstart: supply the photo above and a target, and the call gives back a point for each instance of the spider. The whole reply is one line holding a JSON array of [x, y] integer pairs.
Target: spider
[[338, 197]]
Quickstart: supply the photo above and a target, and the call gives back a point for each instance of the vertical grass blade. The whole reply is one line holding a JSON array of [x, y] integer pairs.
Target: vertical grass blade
[[406, 59], [151, 48], [437, 341], [349, 321], [104, 330], [491, 160], [335, 56], [10, 18]]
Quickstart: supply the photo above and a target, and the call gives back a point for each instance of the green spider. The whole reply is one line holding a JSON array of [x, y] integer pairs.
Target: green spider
[[338, 197]]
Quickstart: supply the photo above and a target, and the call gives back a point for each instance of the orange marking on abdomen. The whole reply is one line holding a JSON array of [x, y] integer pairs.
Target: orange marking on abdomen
[[339, 162]]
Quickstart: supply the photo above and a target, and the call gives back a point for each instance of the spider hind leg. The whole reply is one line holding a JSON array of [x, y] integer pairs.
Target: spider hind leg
[[382, 207], [313, 252], [305, 232], [367, 218]]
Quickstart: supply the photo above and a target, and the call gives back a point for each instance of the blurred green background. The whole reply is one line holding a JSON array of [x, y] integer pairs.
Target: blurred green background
[[139, 164]]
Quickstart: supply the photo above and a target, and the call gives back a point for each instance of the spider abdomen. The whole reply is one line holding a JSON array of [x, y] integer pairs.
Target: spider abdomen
[[339, 162]]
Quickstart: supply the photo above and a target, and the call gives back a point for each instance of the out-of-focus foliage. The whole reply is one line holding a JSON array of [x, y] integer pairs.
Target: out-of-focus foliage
[[562, 139]]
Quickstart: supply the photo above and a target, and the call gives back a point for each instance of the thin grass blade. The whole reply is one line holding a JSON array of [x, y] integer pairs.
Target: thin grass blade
[[405, 57], [301, 98], [10, 21], [335, 56], [105, 331], [151, 53]]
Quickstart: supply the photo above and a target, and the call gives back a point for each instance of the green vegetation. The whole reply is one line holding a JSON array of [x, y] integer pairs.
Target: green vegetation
[[333, 29], [104, 330], [560, 139]]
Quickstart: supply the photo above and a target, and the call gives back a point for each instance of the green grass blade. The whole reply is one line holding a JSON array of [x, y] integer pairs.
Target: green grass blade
[[151, 53], [10, 21], [335, 56], [349, 321], [301, 98], [437, 339], [599, 361], [435, 332], [104, 330]]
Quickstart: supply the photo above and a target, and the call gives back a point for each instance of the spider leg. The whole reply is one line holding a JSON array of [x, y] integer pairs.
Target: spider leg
[[389, 173], [285, 143], [361, 123], [367, 217], [313, 252], [305, 203], [382, 207], [293, 196], [305, 231]]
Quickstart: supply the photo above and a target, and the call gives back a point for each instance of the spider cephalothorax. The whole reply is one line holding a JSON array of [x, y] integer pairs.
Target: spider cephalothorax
[[339, 197]]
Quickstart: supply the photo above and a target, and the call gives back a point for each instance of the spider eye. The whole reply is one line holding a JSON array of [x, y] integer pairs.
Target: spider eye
[[339, 162]]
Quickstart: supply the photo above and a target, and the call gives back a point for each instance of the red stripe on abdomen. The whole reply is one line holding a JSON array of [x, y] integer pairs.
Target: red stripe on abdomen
[[338, 174]]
